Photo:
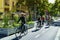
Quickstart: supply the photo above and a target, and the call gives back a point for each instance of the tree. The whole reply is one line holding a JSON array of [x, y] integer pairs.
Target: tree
[[18, 4], [56, 8], [37, 6], [30, 5]]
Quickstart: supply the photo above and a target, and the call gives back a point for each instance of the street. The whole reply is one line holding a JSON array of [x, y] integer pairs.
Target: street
[[41, 34], [29, 19], [44, 34]]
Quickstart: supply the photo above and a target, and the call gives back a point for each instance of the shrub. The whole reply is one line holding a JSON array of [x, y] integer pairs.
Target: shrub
[[30, 22]]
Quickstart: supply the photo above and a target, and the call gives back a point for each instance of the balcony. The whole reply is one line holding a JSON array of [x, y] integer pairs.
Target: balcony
[[6, 6], [6, 3]]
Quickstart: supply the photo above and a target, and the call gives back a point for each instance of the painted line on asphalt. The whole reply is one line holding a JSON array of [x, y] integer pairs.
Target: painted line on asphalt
[[58, 35], [42, 32], [37, 36]]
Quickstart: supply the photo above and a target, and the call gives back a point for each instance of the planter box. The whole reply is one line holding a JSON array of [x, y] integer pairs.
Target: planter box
[[7, 31]]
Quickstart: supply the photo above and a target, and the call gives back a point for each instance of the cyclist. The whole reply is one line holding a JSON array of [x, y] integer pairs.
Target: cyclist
[[48, 20], [42, 18], [23, 21], [39, 21]]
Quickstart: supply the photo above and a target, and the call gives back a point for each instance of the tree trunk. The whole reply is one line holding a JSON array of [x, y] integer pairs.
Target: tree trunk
[[30, 18]]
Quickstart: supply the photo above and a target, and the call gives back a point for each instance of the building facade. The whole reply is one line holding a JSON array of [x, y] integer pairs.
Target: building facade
[[6, 5]]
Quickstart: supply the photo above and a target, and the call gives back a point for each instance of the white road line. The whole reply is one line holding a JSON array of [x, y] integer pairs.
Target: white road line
[[37, 36], [40, 34], [43, 31], [58, 34]]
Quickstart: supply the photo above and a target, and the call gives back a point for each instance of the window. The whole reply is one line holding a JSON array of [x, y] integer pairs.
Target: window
[[6, 9], [6, 2], [13, 4]]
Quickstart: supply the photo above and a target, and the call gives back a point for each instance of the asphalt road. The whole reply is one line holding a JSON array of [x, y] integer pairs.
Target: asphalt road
[[44, 34]]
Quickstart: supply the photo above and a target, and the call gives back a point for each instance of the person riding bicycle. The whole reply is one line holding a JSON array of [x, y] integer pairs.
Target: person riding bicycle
[[39, 21], [22, 19], [48, 20], [42, 18]]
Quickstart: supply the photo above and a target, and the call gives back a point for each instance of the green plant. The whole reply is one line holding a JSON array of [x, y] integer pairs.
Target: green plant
[[5, 20], [30, 22], [16, 24], [16, 17], [6, 23]]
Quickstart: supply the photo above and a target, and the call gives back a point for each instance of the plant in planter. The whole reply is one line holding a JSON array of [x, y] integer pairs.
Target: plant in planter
[[15, 24], [5, 20], [7, 28], [4, 28], [31, 24]]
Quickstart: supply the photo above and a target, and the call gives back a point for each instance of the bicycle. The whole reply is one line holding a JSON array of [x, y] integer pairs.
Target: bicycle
[[39, 24], [23, 30]]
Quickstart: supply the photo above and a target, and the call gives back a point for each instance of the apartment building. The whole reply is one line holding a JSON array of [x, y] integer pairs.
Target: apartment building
[[6, 5]]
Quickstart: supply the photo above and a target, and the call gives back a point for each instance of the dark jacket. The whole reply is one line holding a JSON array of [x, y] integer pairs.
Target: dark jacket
[[22, 20], [39, 19]]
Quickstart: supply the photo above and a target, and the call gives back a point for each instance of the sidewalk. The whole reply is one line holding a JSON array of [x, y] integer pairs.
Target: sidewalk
[[58, 35]]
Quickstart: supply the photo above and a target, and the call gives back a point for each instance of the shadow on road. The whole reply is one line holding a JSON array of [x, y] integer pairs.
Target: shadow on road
[[35, 30], [17, 38], [46, 27], [2, 36]]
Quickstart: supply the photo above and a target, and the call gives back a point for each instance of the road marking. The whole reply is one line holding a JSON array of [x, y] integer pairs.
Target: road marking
[[40, 34], [37, 36], [43, 31], [58, 35]]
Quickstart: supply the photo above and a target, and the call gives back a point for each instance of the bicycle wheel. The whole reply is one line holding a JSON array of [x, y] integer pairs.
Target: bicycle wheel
[[26, 30]]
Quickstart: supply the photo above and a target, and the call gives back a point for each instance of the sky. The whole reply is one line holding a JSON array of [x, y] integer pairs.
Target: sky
[[51, 1]]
